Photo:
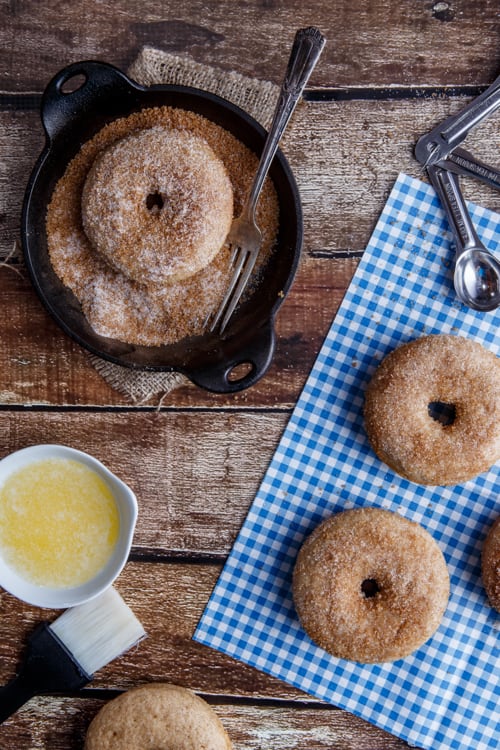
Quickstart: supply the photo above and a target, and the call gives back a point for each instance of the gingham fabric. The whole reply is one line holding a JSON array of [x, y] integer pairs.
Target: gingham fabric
[[446, 694]]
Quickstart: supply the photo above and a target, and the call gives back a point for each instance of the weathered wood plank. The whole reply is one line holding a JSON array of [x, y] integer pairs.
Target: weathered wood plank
[[169, 599], [42, 365], [345, 156], [376, 43], [195, 473], [61, 723]]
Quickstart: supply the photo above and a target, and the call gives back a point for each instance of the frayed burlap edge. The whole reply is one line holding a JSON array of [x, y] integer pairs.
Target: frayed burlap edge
[[258, 98], [15, 254], [139, 386]]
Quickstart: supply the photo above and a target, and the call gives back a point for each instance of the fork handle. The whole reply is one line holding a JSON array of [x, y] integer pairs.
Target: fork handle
[[306, 49]]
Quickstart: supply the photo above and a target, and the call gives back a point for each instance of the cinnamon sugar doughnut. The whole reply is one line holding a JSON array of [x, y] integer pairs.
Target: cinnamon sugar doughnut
[[490, 565], [158, 205], [370, 585], [157, 716], [152, 314], [444, 370]]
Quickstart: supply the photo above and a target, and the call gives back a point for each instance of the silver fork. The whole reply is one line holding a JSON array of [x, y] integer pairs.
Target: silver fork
[[244, 235]]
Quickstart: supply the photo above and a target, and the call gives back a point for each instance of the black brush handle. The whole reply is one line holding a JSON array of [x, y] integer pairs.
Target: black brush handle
[[48, 667]]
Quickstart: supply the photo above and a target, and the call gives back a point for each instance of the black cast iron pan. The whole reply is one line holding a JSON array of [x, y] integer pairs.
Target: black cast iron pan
[[70, 119]]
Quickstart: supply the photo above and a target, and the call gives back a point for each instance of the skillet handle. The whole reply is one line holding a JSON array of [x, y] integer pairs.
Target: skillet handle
[[257, 354], [100, 86]]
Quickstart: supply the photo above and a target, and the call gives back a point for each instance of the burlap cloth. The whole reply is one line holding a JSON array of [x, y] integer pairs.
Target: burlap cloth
[[258, 98]]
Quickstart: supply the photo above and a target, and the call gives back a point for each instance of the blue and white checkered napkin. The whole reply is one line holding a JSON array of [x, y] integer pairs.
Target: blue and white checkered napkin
[[446, 694]]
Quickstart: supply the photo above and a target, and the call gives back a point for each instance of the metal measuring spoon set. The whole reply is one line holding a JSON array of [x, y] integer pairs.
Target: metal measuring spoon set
[[477, 272]]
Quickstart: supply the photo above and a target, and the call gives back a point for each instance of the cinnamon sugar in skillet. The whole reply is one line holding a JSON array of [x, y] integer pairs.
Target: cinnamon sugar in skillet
[[117, 306]]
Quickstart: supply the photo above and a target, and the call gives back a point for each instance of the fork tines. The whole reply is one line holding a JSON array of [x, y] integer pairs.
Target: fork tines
[[244, 261]]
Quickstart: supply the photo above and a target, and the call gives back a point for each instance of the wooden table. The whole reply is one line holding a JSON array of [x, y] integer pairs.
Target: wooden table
[[389, 72]]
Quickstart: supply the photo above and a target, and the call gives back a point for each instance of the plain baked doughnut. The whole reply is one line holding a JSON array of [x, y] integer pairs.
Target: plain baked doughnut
[[158, 205], [157, 716], [490, 565], [436, 369], [370, 585]]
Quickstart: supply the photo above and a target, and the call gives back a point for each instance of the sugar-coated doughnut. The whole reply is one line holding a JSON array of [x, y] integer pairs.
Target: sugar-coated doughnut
[[157, 716], [490, 565], [436, 370], [152, 314], [369, 585], [158, 205]]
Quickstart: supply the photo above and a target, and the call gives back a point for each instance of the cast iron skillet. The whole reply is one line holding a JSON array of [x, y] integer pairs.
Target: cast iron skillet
[[70, 119]]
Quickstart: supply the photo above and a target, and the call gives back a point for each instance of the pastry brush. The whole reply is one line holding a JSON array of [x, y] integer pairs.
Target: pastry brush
[[63, 655]]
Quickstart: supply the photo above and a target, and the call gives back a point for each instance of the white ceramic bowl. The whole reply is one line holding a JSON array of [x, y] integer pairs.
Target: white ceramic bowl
[[59, 598]]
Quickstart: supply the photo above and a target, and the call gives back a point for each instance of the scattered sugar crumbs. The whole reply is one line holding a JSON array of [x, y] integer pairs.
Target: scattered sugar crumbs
[[114, 305]]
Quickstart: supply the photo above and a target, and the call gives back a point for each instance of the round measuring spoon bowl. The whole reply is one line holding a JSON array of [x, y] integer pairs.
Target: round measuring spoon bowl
[[477, 279]]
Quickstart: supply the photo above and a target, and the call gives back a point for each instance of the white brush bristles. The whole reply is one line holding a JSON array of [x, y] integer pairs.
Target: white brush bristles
[[98, 631]]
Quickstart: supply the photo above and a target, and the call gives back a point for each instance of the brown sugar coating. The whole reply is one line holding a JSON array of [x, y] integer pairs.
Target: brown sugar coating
[[436, 369], [157, 716], [370, 586], [158, 205], [152, 314], [490, 565]]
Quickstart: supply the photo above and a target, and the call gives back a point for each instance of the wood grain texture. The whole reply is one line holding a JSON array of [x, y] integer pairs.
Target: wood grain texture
[[61, 723], [179, 593], [389, 72], [195, 473], [370, 44], [42, 365], [345, 156]]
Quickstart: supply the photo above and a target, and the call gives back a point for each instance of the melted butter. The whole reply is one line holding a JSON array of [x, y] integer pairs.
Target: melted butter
[[59, 522]]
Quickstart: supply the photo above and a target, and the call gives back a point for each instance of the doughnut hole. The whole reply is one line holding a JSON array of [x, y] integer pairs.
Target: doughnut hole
[[442, 412], [370, 588], [155, 202]]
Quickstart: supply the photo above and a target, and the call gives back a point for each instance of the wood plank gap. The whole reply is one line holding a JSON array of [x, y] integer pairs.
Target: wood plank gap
[[125, 408], [81, 408], [144, 555], [391, 92], [244, 700], [23, 101], [27, 101], [335, 254], [214, 699]]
